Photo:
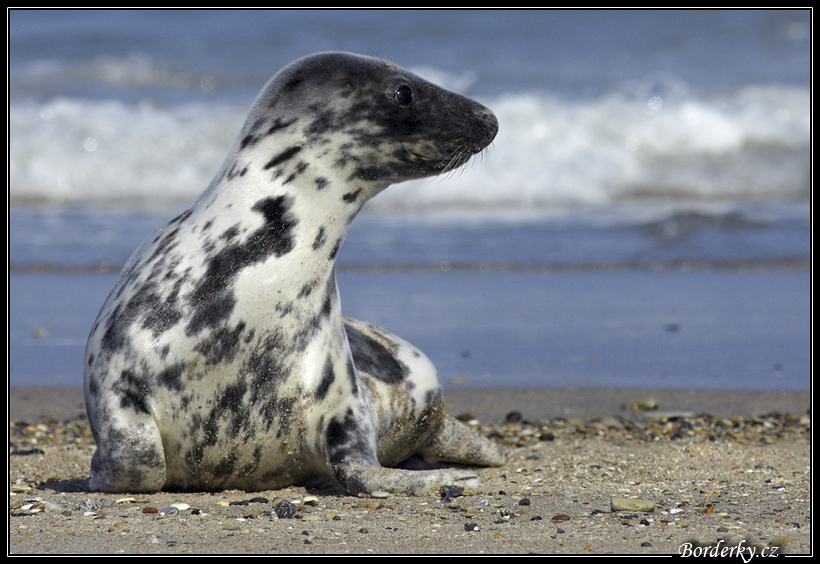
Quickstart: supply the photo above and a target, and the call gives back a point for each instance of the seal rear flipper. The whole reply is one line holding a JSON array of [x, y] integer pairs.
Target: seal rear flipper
[[458, 444]]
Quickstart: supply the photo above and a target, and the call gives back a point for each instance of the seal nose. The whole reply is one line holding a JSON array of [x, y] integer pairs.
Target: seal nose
[[489, 123], [492, 125]]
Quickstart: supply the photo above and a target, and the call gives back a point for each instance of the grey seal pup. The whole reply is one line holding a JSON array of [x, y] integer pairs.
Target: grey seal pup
[[221, 358]]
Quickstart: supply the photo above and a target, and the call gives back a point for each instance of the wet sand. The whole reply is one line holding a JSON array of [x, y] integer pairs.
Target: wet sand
[[718, 469]]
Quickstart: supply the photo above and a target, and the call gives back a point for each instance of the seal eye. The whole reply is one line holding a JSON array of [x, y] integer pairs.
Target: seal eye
[[404, 95]]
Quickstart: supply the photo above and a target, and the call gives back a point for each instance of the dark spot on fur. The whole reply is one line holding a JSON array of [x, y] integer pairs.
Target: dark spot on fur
[[160, 315], [171, 377], [320, 239], [434, 397], [230, 233], [114, 336], [306, 290], [321, 182], [374, 358], [278, 125], [293, 83], [353, 376], [252, 138], [323, 123], [230, 404], [351, 197], [211, 306], [165, 243], [326, 382], [212, 299], [235, 171], [344, 440], [249, 139], [181, 217], [329, 297], [335, 249], [225, 466], [222, 345], [134, 391], [285, 155], [276, 236]]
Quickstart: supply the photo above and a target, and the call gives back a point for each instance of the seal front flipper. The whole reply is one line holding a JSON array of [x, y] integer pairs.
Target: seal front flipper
[[364, 480], [350, 452], [128, 458], [458, 444]]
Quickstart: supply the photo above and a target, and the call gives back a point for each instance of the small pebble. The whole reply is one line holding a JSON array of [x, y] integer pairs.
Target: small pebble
[[169, 511], [150, 510], [370, 504], [181, 506], [379, 494], [632, 504], [648, 404], [470, 527], [285, 510], [513, 417], [449, 492], [89, 504], [560, 517]]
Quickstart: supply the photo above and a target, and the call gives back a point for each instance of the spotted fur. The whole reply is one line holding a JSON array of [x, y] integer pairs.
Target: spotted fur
[[221, 358]]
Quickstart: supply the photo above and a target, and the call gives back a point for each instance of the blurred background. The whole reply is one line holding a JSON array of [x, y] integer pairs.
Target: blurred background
[[642, 219]]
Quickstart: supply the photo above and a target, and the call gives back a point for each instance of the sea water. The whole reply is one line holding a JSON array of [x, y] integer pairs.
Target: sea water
[[641, 220]]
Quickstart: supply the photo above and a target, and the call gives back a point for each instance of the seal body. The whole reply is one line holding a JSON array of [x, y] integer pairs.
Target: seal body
[[221, 358]]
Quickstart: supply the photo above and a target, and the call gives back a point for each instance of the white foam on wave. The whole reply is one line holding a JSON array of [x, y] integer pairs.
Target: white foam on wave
[[749, 144], [108, 151]]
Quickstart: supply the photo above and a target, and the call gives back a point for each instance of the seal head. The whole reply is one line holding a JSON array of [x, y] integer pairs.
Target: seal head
[[398, 126]]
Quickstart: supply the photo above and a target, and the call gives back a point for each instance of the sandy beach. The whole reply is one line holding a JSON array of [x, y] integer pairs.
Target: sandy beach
[[641, 222], [708, 470]]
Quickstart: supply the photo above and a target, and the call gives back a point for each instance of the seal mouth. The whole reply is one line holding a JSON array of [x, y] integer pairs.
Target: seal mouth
[[417, 155], [443, 163]]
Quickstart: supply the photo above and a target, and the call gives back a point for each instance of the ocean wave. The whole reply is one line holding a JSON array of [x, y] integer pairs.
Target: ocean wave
[[748, 144]]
